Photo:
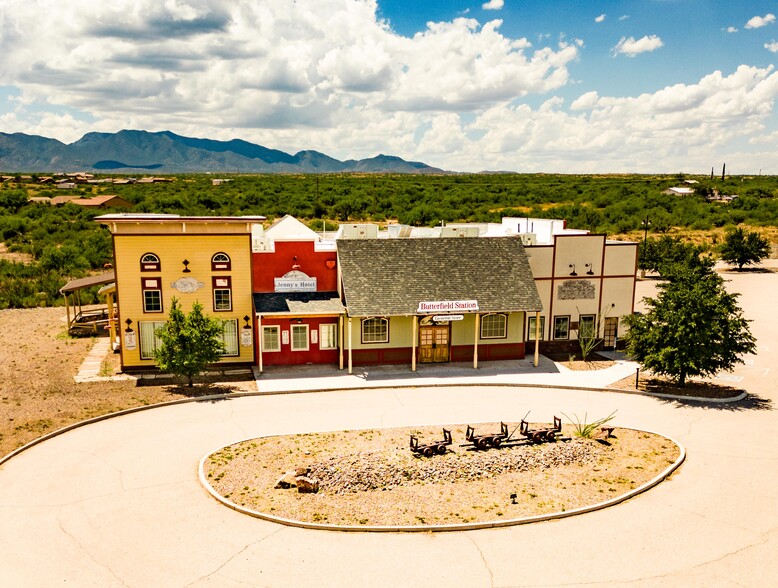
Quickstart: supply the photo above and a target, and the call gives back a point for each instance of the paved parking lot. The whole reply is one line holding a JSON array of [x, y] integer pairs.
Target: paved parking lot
[[117, 503]]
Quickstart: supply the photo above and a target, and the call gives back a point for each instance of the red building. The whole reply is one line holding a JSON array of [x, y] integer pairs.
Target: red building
[[299, 314]]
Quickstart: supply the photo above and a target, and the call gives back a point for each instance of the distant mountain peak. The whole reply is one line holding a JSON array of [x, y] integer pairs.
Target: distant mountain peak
[[169, 152]]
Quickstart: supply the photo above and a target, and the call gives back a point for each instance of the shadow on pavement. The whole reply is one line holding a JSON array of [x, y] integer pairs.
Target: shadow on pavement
[[750, 402]]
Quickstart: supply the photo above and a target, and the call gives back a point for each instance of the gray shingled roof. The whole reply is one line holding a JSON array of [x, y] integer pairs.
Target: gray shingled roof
[[298, 303], [389, 277]]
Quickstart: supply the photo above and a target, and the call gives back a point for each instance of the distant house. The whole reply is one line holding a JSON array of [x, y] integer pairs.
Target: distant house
[[60, 200], [679, 191], [103, 201], [66, 185]]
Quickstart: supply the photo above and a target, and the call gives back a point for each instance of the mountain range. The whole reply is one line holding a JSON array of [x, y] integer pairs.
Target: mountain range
[[166, 152]]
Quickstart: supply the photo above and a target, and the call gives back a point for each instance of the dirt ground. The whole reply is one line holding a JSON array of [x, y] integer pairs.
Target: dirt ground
[[37, 393], [372, 478]]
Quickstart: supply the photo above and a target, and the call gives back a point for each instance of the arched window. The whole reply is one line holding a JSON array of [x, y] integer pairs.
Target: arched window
[[494, 326], [221, 262], [149, 262], [375, 330]]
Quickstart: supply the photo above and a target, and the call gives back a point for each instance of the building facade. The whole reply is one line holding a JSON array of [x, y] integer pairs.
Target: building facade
[[290, 296], [193, 259]]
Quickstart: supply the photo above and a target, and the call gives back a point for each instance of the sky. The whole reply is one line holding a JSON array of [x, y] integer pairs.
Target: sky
[[648, 86]]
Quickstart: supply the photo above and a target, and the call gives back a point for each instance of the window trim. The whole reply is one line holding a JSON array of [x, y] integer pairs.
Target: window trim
[[384, 320], [237, 338], [565, 317], [334, 327], [277, 348], [531, 331], [215, 287], [504, 324], [221, 265], [143, 353], [292, 329], [594, 323], [148, 285], [150, 266]]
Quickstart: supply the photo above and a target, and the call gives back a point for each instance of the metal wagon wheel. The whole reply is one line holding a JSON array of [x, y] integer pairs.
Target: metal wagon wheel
[[537, 437], [441, 449], [482, 443], [428, 451]]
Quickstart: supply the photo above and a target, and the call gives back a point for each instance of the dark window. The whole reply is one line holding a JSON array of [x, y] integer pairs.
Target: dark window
[[221, 262], [222, 293], [152, 294], [149, 262]]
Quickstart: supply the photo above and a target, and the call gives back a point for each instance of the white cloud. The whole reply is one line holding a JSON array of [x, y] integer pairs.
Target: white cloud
[[757, 22], [493, 5], [330, 75], [600, 18], [772, 46], [630, 46], [731, 29], [624, 17]]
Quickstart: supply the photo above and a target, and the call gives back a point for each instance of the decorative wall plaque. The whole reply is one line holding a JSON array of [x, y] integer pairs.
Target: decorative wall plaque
[[576, 290], [187, 285], [295, 281]]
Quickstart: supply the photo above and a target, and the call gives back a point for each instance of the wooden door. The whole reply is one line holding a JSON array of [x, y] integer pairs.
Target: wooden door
[[433, 344], [611, 331]]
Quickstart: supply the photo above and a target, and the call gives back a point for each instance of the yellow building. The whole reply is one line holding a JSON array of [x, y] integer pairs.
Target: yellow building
[[195, 259]]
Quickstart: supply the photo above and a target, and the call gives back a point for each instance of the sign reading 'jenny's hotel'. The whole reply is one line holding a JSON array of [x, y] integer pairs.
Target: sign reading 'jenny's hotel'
[[448, 306]]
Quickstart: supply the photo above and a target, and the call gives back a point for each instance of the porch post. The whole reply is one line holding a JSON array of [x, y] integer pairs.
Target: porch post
[[475, 345], [537, 338], [340, 341], [259, 339], [413, 347], [67, 310], [350, 358]]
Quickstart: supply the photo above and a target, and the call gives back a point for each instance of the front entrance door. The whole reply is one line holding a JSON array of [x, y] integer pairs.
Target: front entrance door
[[611, 331], [433, 344]]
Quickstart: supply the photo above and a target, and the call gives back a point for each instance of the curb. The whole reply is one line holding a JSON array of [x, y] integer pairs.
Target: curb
[[442, 528]]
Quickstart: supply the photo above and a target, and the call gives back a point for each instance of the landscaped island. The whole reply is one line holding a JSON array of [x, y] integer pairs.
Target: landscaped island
[[371, 477]]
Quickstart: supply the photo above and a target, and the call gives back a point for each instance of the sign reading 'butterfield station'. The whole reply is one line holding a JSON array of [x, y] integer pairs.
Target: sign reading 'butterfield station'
[[448, 306]]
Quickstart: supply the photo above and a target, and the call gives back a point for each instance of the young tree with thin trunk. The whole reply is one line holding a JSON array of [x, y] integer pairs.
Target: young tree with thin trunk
[[189, 342], [743, 247], [694, 327]]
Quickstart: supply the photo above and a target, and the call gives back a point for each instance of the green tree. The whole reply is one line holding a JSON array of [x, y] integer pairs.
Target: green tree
[[189, 342], [667, 253], [743, 247], [694, 327]]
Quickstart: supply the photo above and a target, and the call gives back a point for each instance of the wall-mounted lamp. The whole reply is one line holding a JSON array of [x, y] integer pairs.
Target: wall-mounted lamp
[[590, 272], [186, 266], [128, 322], [247, 319], [298, 321], [572, 273]]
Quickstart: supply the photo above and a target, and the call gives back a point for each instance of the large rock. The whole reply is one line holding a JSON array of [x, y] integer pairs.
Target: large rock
[[306, 485], [288, 480]]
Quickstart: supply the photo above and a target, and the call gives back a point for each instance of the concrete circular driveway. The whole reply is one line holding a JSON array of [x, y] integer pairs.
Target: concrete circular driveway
[[118, 503]]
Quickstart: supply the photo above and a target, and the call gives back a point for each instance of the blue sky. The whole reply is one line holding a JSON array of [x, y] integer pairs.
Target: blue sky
[[632, 86]]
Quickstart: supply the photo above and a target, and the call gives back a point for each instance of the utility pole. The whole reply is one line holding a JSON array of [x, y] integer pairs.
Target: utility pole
[[723, 171]]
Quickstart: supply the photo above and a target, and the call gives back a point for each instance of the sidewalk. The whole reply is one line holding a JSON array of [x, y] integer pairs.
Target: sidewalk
[[297, 378]]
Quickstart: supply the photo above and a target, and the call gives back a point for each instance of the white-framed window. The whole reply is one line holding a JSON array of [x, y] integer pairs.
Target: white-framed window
[[587, 323], [149, 262], [328, 336], [299, 337], [531, 328], [375, 330], [561, 327], [230, 338], [222, 293], [221, 262], [152, 294], [149, 342], [271, 338], [494, 326]]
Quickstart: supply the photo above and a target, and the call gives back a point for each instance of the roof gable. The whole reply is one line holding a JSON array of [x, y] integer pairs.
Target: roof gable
[[391, 277], [289, 228]]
